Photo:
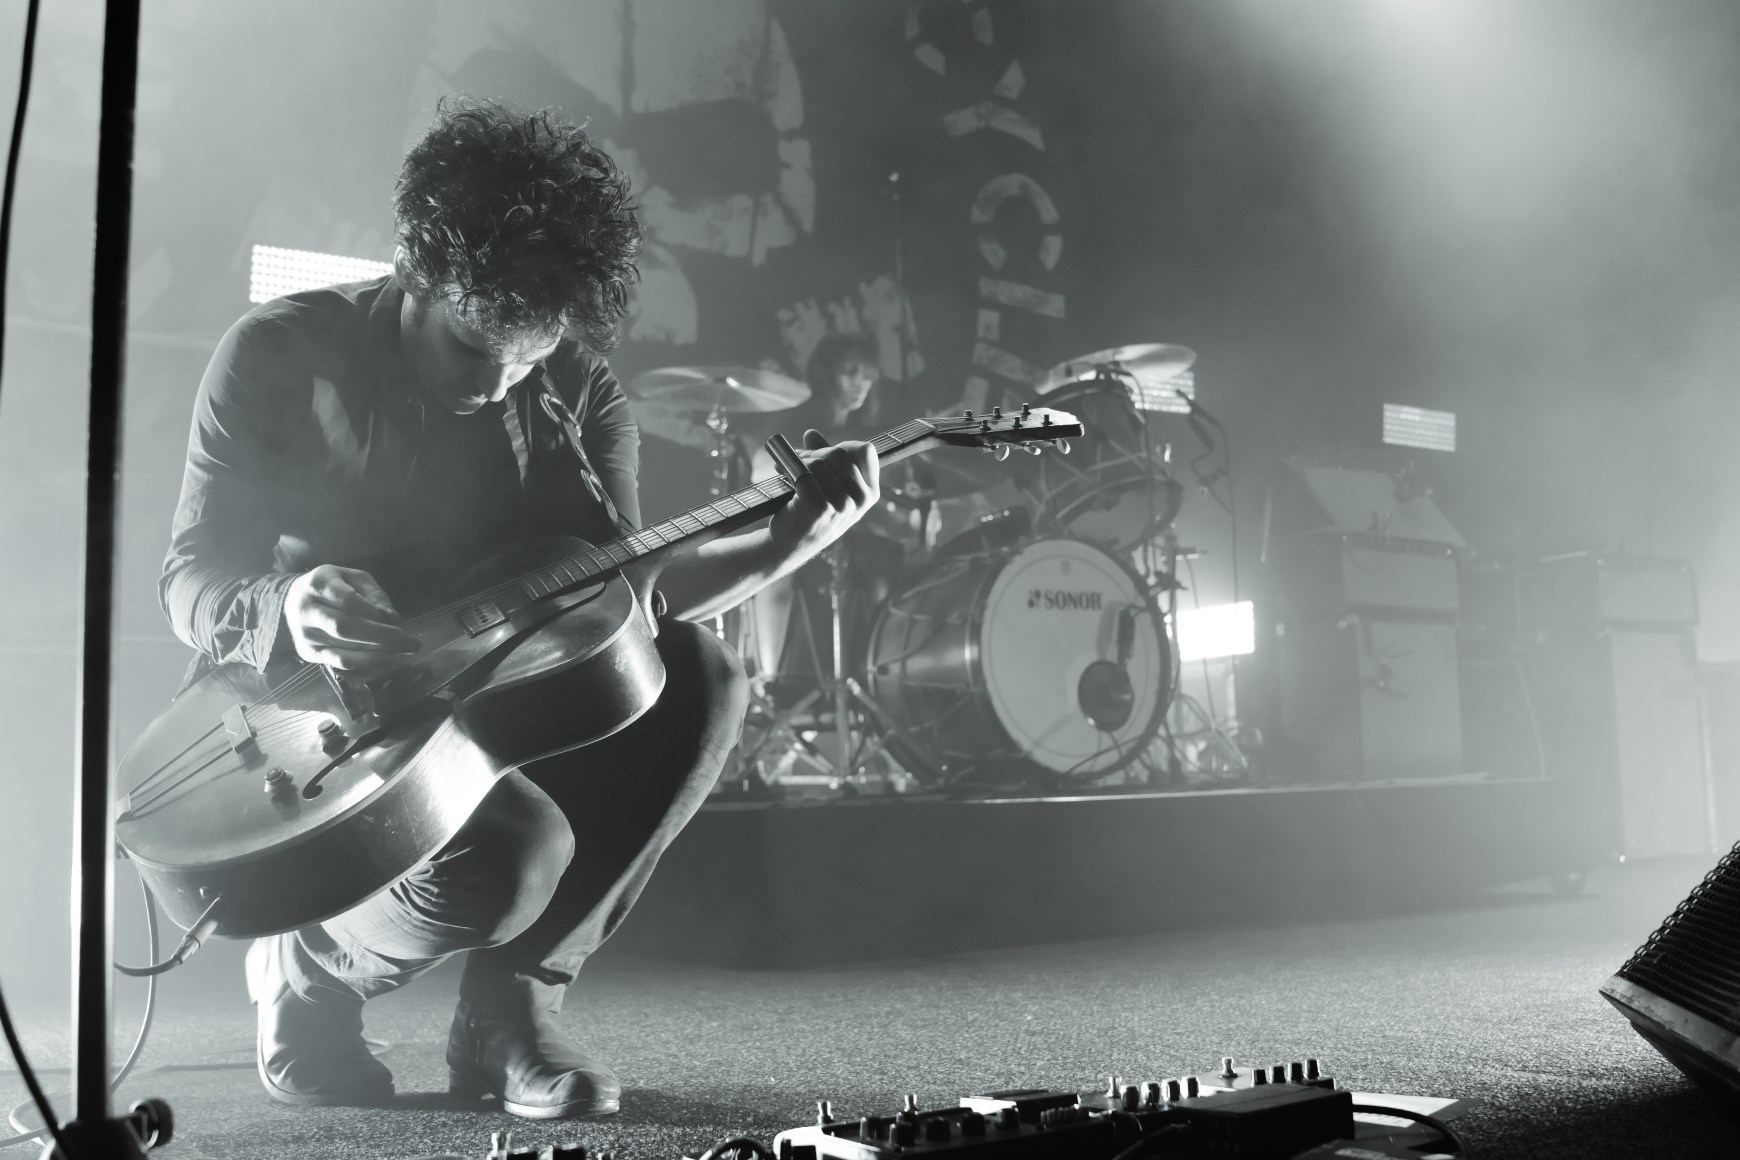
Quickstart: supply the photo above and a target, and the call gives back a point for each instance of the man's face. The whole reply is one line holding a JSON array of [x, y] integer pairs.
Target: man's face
[[461, 366]]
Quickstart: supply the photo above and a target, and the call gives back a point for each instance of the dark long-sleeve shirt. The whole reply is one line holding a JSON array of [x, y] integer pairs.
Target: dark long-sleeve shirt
[[313, 444]]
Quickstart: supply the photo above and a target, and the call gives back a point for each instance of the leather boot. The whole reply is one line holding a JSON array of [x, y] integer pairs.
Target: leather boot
[[507, 1041], [309, 1044]]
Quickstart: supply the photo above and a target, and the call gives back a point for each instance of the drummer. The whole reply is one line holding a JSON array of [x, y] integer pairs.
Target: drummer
[[846, 402]]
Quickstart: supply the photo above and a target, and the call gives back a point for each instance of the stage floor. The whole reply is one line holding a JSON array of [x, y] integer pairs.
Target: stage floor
[[759, 884], [1493, 999]]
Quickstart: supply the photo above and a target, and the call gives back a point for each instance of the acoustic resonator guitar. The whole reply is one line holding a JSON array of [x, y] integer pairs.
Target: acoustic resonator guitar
[[263, 802]]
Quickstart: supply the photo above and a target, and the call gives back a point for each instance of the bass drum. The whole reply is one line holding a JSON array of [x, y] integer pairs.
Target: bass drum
[[1051, 654]]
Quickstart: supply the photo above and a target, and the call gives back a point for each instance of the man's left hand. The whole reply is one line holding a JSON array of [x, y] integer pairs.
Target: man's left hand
[[841, 484]]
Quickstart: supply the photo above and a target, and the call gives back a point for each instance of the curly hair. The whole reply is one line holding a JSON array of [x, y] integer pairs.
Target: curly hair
[[520, 221]]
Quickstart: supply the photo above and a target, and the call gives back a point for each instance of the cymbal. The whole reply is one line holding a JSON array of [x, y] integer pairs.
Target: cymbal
[[1150, 362], [942, 476], [733, 390]]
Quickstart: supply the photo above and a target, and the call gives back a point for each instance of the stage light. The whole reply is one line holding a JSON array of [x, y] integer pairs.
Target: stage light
[[277, 272], [1418, 427], [1162, 394], [1220, 630]]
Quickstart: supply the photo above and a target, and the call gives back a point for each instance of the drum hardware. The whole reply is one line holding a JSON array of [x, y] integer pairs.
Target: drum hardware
[[1149, 363], [860, 725], [1224, 748], [733, 390], [1119, 492]]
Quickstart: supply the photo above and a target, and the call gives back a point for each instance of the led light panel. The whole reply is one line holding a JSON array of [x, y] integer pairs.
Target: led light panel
[[1220, 630], [1162, 395], [1418, 427], [277, 272]]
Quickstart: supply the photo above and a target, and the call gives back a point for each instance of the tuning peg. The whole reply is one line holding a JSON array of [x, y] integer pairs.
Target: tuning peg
[[1026, 409], [1062, 446], [1002, 452], [1033, 449]]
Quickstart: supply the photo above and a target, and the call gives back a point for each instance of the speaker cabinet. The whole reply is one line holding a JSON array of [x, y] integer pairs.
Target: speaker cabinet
[[1367, 699], [1621, 716], [1681, 990]]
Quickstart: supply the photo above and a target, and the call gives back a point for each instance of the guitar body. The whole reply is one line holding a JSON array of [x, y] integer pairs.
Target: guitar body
[[287, 798]]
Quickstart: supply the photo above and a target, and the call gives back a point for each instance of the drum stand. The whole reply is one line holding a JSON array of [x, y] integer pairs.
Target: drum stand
[[860, 726], [1183, 704]]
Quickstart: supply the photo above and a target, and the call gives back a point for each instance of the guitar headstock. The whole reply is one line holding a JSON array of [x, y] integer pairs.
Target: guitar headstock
[[1030, 428]]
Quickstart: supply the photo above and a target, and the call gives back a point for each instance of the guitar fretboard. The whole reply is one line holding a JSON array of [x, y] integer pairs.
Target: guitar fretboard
[[743, 506]]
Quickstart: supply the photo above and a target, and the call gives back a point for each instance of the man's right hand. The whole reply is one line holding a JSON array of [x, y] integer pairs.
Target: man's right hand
[[341, 617]]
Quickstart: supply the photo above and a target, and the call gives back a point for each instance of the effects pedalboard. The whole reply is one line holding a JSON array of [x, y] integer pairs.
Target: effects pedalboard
[[1237, 1113], [1289, 1111]]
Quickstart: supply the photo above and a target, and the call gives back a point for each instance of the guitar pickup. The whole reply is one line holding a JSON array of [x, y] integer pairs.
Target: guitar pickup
[[479, 618]]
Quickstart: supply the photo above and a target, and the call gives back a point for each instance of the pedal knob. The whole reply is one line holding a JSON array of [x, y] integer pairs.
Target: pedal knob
[[1008, 1120], [972, 1125], [936, 1130], [567, 1152], [1311, 1071], [903, 1134], [1173, 1094], [1132, 1097], [1227, 1070], [1112, 1087], [1259, 1077], [1192, 1088], [1278, 1073], [1151, 1093], [1295, 1072], [523, 1154], [870, 1128]]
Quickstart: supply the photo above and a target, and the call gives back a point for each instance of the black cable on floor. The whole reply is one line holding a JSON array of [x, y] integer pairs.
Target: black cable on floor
[[1443, 1129]]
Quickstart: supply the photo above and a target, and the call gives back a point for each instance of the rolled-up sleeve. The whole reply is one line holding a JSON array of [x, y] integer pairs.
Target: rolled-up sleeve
[[612, 440], [219, 587]]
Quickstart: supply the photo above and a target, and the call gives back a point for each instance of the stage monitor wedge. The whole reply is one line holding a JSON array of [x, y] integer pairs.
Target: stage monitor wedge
[[1681, 989]]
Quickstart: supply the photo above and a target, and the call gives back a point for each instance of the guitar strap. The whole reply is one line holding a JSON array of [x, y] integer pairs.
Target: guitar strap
[[564, 418]]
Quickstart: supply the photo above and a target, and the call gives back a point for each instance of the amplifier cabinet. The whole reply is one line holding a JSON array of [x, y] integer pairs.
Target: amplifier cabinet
[[1621, 715], [1586, 590], [1327, 573], [1367, 699]]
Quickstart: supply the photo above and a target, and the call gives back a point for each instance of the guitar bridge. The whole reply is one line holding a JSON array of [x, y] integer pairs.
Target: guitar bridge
[[240, 730], [479, 618]]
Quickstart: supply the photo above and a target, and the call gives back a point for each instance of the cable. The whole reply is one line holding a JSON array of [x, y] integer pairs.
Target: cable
[[138, 1039], [190, 942], [1443, 1129], [1147, 1143], [736, 1146], [26, 65], [50, 1120]]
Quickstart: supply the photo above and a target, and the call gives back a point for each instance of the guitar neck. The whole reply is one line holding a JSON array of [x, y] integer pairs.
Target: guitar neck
[[699, 524]]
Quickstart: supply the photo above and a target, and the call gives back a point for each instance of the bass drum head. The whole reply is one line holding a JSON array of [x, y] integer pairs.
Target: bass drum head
[[1055, 608]]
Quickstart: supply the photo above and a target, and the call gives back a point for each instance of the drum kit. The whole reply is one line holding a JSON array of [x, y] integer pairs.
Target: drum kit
[[1034, 647]]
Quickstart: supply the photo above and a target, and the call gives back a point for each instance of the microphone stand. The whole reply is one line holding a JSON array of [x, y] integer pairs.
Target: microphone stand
[[94, 1132]]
